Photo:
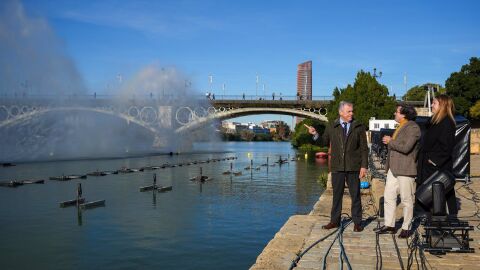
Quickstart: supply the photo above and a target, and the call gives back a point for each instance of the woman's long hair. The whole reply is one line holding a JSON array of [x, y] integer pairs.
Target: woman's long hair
[[446, 108]]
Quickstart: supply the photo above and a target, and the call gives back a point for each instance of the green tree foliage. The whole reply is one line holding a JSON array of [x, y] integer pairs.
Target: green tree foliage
[[247, 135], [283, 132], [263, 137], [464, 86], [370, 99], [418, 92], [475, 111], [301, 135]]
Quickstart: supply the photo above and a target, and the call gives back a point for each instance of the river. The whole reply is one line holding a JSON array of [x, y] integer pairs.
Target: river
[[222, 224]]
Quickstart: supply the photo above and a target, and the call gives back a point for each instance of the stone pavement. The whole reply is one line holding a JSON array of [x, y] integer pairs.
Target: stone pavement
[[301, 231]]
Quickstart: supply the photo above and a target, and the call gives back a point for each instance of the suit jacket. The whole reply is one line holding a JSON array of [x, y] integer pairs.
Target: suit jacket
[[437, 146], [402, 151], [346, 154]]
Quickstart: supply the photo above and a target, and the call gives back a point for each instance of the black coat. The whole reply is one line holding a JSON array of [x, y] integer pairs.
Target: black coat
[[437, 146], [347, 154]]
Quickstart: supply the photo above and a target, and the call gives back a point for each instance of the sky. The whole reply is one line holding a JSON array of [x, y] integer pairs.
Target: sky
[[234, 41]]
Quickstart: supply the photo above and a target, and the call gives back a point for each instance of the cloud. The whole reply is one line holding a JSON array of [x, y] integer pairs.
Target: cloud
[[147, 18], [33, 59]]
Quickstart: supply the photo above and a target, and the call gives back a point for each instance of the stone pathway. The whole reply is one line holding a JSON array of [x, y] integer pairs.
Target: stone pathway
[[301, 231]]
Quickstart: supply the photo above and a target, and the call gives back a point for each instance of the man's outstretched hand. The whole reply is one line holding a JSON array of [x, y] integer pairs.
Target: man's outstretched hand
[[311, 129]]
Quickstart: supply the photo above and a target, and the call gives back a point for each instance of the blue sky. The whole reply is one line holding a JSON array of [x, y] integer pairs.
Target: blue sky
[[235, 40]]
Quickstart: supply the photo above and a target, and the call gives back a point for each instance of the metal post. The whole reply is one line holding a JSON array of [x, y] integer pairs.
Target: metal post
[[79, 193], [256, 88], [223, 86]]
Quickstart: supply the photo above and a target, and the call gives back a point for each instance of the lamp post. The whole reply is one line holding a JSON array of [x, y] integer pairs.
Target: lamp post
[[223, 87], [375, 73], [256, 87], [210, 80]]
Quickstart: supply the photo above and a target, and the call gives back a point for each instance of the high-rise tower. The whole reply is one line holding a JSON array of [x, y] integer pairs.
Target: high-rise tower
[[304, 81]]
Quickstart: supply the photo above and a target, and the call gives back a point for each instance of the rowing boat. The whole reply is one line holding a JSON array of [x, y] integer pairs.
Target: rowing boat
[[72, 202], [93, 204]]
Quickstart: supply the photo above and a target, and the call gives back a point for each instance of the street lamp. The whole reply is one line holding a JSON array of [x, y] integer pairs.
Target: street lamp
[[210, 80], [375, 73], [256, 87], [223, 87]]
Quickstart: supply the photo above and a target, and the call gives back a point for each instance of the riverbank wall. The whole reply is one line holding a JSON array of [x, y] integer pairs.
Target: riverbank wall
[[300, 235]]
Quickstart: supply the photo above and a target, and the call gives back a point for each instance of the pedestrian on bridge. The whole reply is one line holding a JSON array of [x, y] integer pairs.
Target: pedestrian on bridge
[[273, 96], [349, 160]]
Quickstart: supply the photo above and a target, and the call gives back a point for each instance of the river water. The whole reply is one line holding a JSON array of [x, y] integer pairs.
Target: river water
[[222, 224]]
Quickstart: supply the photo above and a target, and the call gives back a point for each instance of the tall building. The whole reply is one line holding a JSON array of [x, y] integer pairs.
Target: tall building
[[304, 83]]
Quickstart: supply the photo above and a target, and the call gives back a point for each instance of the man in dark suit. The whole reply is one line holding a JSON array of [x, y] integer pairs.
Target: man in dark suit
[[348, 160]]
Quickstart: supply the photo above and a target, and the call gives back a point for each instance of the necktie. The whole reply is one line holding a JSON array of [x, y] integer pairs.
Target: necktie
[[345, 129]]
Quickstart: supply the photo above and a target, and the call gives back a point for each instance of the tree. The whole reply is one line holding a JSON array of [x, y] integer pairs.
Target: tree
[[283, 131], [301, 135], [369, 97], [464, 86], [475, 111], [418, 92], [247, 135], [263, 137]]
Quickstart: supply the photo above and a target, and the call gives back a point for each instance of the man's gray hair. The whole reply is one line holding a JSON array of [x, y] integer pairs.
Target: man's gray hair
[[343, 103]]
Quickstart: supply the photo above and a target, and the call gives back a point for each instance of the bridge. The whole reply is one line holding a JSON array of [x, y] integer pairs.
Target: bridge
[[165, 112]]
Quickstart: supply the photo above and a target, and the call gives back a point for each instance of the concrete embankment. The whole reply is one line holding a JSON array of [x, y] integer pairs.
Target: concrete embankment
[[301, 231]]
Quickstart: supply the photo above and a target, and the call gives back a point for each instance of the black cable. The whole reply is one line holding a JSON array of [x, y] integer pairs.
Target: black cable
[[343, 225], [297, 259], [378, 250], [399, 255]]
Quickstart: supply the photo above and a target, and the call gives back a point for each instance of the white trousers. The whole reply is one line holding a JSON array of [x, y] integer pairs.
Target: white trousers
[[406, 187]]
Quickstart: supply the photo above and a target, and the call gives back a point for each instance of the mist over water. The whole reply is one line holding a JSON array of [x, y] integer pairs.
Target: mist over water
[[33, 60], [34, 63]]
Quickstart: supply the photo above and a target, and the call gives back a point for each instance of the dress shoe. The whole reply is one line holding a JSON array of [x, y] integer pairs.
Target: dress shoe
[[386, 229], [405, 234], [330, 226], [378, 229], [357, 228]]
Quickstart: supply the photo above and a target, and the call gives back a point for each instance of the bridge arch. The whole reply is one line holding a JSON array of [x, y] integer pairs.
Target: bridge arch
[[41, 111], [227, 114]]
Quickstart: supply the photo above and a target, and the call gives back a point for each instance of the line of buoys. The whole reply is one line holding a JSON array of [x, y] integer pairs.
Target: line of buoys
[[68, 177], [125, 170], [16, 183]]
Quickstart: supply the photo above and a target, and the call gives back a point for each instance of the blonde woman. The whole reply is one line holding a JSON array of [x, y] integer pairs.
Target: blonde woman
[[437, 147]]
